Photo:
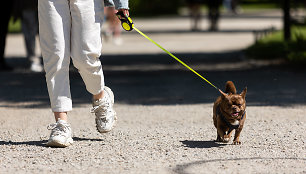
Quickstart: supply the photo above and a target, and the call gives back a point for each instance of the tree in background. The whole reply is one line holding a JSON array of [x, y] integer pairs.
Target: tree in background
[[286, 20]]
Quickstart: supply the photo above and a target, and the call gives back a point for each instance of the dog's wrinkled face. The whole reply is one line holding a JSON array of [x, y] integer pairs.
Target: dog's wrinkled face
[[233, 104]]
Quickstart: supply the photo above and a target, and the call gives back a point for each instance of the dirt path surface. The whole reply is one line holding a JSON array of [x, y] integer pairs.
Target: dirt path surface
[[164, 112]]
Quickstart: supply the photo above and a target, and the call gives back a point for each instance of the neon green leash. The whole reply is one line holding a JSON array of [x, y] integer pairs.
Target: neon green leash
[[128, 25]]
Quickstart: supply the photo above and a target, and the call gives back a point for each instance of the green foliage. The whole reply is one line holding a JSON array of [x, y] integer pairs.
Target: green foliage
[[14, 26], [274, 46], [297, 49], [257, 1], [297, 57], [267, 50], [248, 6]]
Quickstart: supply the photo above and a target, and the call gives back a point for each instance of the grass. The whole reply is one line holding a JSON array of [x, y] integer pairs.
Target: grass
[[273, 46], [251, 7], [14, 26]]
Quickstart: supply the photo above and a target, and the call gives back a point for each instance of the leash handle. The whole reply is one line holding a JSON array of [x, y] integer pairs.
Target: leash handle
[[126, 22]]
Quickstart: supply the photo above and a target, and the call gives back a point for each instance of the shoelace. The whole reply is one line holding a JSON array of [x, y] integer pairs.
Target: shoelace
[[58, 128], [101, 108], [101, 111]]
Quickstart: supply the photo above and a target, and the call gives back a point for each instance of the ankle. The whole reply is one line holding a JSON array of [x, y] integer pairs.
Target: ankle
[[98, 96], [60, 116]]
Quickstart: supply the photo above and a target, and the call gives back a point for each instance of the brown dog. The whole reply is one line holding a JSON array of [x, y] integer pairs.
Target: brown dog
[[229, 113]]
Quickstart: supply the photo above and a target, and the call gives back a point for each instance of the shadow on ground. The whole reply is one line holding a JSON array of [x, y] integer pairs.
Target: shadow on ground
[[183, 169], [42, 143], [157, 79], [201, 144]]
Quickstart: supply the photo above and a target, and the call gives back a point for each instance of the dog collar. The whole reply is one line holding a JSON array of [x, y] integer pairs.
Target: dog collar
[[231, 127]]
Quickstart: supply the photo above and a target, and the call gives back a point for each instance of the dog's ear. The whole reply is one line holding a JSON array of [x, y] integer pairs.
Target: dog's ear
[[223, 95], [243, 93]]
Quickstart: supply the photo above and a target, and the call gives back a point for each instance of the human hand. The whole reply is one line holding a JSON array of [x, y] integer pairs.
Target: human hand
[[125, 12]]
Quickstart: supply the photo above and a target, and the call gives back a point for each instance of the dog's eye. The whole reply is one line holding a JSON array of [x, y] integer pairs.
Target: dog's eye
[[239, 105]]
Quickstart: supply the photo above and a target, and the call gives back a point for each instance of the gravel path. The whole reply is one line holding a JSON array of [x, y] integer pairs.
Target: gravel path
[[156, 139], [164, 118]]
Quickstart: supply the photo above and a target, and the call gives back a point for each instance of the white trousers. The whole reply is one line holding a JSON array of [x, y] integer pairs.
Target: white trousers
[[70, 29]]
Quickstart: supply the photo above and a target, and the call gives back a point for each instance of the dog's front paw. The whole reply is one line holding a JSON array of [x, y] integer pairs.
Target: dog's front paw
[[226, 138], [236, 142]]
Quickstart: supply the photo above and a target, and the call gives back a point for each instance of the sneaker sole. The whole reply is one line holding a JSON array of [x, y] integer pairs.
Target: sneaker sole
[[114, 125], [59, 144], [111, 94]]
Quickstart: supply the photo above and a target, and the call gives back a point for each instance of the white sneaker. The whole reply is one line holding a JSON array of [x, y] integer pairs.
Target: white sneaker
[[105, 114], [117, 41], [36, 67], [61, 135]]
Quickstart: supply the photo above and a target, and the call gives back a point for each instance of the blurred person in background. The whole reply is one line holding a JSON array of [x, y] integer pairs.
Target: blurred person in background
[[231, 6], [113, 31], [6, 9], [235, 8], [214, 13], [227, 5], [27, 11], [194, 7]]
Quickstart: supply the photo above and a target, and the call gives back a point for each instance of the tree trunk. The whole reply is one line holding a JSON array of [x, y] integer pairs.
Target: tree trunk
[[287, 20]]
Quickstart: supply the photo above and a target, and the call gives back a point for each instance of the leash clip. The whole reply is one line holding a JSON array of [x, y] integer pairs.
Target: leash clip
[[126, 22]]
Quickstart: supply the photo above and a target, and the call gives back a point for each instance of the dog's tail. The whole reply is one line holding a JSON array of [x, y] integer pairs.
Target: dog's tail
[[230, 87]]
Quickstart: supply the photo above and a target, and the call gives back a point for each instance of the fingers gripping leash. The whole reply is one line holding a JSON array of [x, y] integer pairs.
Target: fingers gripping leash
[[128, 25], [126, 22]]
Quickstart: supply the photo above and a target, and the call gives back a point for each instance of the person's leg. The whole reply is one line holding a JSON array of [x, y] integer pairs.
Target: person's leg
[[235, 7], [60, 116], [30, 30], [55, 46], [86, 45], [210, 5], [195, 15], [5, 17], [217, 5], [214, 14], [98, 96], [54, 31]]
